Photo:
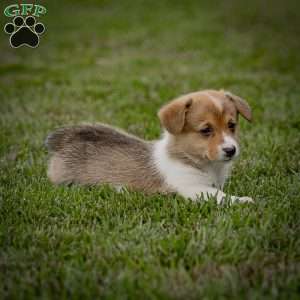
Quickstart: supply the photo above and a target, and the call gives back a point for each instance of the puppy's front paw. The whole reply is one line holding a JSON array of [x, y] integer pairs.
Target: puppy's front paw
[[245, 200]]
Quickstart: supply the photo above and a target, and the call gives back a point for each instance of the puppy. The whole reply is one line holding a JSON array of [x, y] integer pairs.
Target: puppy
[[193, 158]]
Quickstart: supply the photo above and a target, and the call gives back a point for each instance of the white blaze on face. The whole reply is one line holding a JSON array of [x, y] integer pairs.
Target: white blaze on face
[[215, 101], [228, 142]]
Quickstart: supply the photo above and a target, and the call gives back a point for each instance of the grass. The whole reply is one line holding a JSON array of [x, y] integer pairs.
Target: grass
[[118, 63]]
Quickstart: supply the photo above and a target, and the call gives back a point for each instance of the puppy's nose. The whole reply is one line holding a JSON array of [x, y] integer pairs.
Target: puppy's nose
[[229, 151]]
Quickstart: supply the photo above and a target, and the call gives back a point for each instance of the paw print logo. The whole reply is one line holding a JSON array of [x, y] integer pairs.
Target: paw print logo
[[24, 32]]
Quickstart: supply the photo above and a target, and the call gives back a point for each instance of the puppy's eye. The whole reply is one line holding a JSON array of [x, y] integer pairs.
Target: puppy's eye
[[207, 131], [231, 126]]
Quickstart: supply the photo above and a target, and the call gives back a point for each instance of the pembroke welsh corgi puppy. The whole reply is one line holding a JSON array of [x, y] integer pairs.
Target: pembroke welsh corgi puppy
[[193, 157]]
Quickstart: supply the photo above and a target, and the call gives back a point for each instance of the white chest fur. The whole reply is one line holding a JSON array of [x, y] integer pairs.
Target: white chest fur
[[189, 181]]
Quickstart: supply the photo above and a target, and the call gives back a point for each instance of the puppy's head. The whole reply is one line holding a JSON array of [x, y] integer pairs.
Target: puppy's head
[[204, 125]]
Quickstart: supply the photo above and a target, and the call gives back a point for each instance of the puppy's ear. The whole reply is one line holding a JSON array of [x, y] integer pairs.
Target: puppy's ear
[[241, 105], [172, 115]]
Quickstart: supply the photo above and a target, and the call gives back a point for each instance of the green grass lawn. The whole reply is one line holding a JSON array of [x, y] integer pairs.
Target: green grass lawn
[[118, 62]]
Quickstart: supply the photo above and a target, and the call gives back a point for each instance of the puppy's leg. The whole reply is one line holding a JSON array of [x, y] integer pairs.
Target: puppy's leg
[[207, 192]]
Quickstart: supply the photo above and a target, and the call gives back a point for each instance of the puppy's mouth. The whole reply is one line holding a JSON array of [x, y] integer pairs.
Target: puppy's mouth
[[223, 159], [200, 160], [227, 159]]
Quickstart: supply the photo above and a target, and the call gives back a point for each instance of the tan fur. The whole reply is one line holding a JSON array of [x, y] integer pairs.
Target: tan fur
[[241, 105], [56, 169], [188, 142], [172, 116], [96, 154]]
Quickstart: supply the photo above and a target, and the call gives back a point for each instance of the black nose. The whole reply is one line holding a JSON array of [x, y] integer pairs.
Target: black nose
[[229, 151]]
